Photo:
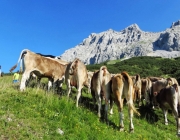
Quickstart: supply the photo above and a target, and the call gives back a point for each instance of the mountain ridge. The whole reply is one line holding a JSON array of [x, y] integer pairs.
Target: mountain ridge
[[127, 43]]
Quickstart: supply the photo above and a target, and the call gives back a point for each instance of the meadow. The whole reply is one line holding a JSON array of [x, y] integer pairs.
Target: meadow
[[37, 114]]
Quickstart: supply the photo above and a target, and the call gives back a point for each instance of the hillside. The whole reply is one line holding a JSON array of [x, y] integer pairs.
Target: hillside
[[144, 66], [127, 43], [36, 114]]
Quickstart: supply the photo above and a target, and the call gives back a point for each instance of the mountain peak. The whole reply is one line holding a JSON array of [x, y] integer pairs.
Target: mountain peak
[[133, 27], [175, 23], [130, 42]]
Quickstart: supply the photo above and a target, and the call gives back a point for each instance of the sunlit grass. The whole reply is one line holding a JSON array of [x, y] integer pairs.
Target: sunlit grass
[[37, 114]]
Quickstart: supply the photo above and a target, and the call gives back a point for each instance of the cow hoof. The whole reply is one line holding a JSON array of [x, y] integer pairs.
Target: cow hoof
[[178, 134], [121, 129], [110, 112], [99, 115], [22, 89], [166, 123], [131, 131]]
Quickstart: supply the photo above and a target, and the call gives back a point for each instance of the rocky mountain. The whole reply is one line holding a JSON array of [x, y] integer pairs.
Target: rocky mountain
[[129, 42]]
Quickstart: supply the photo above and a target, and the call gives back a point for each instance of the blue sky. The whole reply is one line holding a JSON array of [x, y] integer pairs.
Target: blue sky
[[54, 26]]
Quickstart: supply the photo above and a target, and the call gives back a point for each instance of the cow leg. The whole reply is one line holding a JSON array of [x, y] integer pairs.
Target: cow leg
[[55, 85], [139, 98], [93, 98], [25, 77], [178, 126], [106, 105], [165, 115], [59, 87], [111, 106], [98, 99], [38, 82], [89, 89], [176, 115], [131, 126], [78, 95], [121, 119], [178, 119], [121, 114], [147, 99], [68, 87], [29, 80], [121, 123], [49, 85], [60, 84]]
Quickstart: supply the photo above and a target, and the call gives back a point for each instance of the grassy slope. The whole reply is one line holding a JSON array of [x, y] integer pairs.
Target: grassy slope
[[35, 114]]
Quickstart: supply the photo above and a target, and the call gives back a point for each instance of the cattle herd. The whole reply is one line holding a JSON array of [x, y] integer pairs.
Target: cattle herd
[[112, 88]]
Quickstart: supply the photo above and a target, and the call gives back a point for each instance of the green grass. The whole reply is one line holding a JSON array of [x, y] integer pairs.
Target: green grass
[[36, 114], [110, 62]]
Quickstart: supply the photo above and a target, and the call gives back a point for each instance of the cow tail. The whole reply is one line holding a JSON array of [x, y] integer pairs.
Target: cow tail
[[138, 77], [20, 57], [12, 68], [131, 105], [102, 72], [130, 100]]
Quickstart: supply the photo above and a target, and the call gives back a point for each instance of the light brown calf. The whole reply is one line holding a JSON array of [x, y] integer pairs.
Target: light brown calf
[[146, 85], [122, 88], [76, 75], [40, 66], [137, 88], [90, 75], [101, 86]]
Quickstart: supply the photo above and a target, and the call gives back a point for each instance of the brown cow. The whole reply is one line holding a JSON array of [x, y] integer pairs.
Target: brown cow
[[101, 86], [137, 88], [169, 98], [40, 66], [90, 75], [146, 85], [50, 82], [153, 79], [76, 75], [122, 87], [157, 86]]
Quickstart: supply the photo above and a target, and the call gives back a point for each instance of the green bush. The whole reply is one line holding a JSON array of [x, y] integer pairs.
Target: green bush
[[144, 66]]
